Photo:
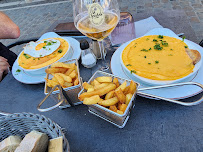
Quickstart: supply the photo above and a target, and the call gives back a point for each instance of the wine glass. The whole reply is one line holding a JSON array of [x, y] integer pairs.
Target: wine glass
[[96, 19]]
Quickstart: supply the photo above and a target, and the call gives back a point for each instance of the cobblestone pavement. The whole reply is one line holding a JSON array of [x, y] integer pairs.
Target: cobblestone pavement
[[35, 19]]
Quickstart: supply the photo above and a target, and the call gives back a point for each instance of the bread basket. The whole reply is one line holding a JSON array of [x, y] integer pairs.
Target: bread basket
[[23, 123]]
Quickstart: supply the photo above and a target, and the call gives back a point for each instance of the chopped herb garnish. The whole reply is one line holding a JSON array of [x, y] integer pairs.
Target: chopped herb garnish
[[26, 56], [149, 63], [161, 36], [59, 51], [53, 42], [38, 58], [154, 40], [150, 48], [128, 65], [164, 43], [44, 47], [18, 70], [145, 56], [132, 71], [144, 50], [134, 46], [49, 43], [45, 41], [34, 58], [158, 47], [156, 62], [183, 38], [40, 55], [147, 39], [186, 46], [171, 49], [170, 55]]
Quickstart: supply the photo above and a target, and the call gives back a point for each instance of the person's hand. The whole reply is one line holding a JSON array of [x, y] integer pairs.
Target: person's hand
[[4, 66]]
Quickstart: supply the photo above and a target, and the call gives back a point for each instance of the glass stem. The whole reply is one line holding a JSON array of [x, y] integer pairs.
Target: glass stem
[[104, 64]]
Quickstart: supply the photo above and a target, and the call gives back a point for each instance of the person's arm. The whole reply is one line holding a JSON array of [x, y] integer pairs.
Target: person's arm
[[8, 29]]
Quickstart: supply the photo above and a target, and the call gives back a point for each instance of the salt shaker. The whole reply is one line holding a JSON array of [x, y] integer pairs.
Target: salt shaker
[[87, 57]]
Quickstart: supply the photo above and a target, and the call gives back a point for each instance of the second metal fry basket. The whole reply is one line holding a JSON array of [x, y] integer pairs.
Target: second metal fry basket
[[58, 96], [106, 114]]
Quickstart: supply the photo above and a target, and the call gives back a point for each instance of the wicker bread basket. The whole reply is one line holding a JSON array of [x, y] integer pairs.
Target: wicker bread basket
[[22, 123]]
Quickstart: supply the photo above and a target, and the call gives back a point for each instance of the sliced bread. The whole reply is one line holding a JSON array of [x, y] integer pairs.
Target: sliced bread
[[10, 144], [194, 55], [33, 142]]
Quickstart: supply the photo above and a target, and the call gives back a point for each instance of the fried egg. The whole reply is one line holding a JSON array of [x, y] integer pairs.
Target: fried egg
[[41, 48]]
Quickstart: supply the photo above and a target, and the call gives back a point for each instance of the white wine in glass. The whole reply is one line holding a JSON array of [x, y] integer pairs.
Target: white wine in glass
[[96, 19]]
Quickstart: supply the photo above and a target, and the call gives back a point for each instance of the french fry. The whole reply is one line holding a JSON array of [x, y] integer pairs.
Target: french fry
[[55, 70], [87, 86], [68, 72], [128, 98], [51, 83], [63, 65], [67, 84], [119, 112], [113, 108], [126, 90], [122, 86], [109, 95], [90, 89], [91, 100], [76, 82], [104, 79], [109, 102], [96, 82], [132, 87], [96, 87], [121, 97], [123, 107], [115, 81], [99, 92], [59, 79], [73, 74], [65, 77], [119, 105]]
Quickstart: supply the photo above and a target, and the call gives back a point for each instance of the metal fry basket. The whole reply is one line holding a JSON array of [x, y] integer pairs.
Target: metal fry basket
[[106, 114], [23, 123], [57, 95]]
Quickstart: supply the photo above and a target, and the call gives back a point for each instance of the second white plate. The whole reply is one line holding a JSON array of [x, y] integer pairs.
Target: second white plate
[[27, 78], [174, 92]]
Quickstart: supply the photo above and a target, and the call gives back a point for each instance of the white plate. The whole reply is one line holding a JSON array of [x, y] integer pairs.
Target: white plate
[[29, 78], [174, 92]]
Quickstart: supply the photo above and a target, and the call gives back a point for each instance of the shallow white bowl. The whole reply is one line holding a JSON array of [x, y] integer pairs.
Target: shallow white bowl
[[133, 76], [65, 57]]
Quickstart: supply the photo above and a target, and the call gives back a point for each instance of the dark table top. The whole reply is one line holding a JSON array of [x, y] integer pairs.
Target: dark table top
[[153, 125]]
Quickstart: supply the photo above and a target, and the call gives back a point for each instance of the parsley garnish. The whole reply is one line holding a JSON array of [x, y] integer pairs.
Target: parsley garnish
[[156, 62], [161, 36], [34, 58], [183, 38], [40, 55], [134, 46], [49, 43], [145, 56], [170, 55], [144, 50], [158, 47], [149, 63], [132, 71], [18, 70], [147, 39], [38, 58], [154, 40], [164, 43], [150, 48], [45, 41], [128, 65], [26, 56], [44, 47], [186, 46], [59, 51]]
